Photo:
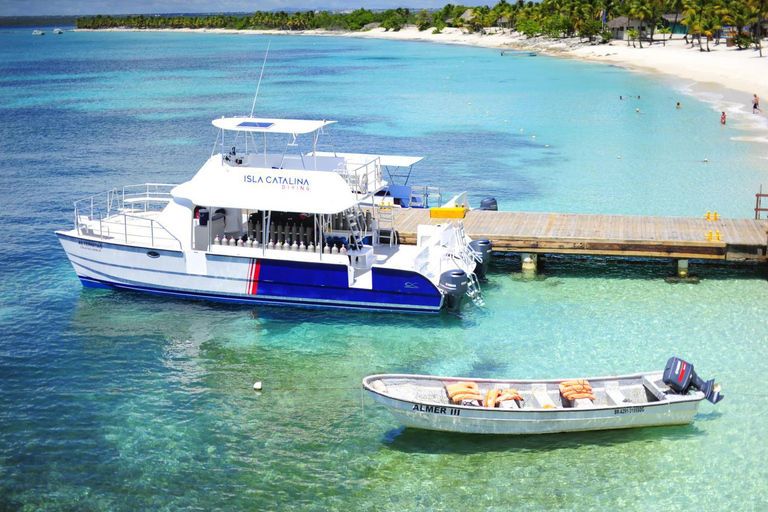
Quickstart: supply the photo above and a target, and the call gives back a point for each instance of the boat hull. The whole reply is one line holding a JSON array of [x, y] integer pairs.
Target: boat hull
[[475, 420], [245, 280], [421, 402]]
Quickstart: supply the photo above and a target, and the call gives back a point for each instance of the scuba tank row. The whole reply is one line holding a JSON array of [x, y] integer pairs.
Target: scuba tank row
[[285, 246]]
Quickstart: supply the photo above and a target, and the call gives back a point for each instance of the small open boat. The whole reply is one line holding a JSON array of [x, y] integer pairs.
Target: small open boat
[[485, 406], [518, 53]]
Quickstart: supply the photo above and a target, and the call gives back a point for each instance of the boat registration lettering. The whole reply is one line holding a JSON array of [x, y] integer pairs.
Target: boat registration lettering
[[281, 181], [436, 410], [89, 246], [628, 410]]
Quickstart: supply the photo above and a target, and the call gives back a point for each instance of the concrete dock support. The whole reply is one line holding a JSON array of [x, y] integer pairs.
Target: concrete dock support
[[530, 263], [682, 268]]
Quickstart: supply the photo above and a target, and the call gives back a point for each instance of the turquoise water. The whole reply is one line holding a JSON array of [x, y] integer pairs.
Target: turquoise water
[[123, 401]]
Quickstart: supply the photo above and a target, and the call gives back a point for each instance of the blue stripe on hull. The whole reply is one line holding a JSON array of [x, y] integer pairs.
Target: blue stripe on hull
[[253, 299], [329, 283]]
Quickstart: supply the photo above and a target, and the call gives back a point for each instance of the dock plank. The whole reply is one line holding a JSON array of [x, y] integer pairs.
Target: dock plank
[[604, 235]]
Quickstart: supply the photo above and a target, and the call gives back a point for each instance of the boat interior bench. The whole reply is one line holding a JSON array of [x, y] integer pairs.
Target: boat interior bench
[[541, 397], [613, 394]]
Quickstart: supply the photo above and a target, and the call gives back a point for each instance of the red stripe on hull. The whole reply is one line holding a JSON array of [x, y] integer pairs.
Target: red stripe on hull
[[254, 276]]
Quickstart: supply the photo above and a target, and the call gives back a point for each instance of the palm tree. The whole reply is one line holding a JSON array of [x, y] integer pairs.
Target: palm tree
[[664, 31], [677, 6], [642, 11], [633, 34]]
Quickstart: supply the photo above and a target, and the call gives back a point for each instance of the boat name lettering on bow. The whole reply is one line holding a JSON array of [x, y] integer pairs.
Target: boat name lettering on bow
[[285, 183], [91, 246], [436, 410], [628, 410]]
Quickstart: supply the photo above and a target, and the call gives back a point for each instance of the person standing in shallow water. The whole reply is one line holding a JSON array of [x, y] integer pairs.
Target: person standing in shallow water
[[722, 118], [756, 104]]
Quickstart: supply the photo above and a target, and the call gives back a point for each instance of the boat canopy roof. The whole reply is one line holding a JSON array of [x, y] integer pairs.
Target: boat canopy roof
[[265, 125], [286, 190], [385, 160]]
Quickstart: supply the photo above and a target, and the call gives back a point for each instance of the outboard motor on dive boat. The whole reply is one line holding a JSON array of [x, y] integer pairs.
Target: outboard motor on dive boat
[[679, 376], [483, 247], [454, 285], [489, 203]]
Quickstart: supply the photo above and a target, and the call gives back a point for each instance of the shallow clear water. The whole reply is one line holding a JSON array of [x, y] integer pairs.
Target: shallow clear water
[[122, 401]]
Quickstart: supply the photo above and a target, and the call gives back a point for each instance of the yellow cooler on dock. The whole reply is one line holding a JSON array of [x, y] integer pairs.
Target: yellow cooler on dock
[[456, 212]]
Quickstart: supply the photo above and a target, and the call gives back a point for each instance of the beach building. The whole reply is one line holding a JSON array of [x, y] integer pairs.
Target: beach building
[[620, 25]]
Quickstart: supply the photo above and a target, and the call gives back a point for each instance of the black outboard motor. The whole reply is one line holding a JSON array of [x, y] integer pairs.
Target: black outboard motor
[[483, 247], [454, 284], [679, 376], [489, 203]]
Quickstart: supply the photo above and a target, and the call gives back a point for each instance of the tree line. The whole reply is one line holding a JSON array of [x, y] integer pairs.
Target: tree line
[[553, 18]]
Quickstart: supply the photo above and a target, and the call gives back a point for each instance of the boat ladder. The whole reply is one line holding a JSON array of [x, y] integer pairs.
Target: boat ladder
[[474, 292], [356, 222], [386, 217], [470, 258]]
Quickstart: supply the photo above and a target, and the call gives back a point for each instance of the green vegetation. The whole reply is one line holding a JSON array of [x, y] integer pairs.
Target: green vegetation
[[552, 18]]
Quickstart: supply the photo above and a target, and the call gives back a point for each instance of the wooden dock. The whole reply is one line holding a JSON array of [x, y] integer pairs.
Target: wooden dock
[[605, 235]]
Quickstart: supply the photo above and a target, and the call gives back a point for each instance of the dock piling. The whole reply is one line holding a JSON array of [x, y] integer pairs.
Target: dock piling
[[530, 263]]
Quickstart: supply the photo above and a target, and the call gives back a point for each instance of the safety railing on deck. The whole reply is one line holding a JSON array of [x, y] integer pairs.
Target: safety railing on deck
[[362, 177], [117, 215]]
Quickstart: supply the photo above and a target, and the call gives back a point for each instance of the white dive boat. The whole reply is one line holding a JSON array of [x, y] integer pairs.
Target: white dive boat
[[58, 31], [286, 227], [484, 406], [38, 32]]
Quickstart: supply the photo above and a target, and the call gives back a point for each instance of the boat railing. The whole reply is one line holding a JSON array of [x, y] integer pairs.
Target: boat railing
[[362, 177], [144, 197], [120, 214], [131, 230]]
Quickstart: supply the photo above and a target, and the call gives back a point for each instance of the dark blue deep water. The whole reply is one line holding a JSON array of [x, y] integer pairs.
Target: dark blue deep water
[[119, 401]]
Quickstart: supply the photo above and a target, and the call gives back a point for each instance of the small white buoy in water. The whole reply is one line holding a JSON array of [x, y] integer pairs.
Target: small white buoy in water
[[521, 130], [470, 103], [533, 137], [486, 112], [618, 157], [505, 120], [705, 160], [257, 386], [546, 146]]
